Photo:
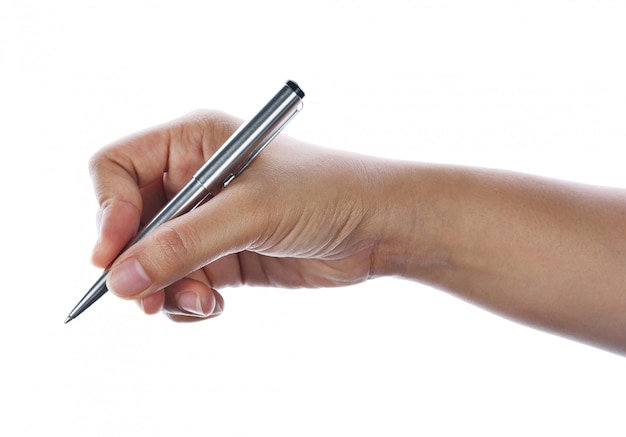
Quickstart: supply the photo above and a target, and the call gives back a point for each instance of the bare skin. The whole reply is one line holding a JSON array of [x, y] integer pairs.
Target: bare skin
[[546, 253]]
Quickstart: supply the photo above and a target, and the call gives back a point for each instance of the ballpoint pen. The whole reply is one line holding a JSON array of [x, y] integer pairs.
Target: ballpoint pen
[[228, 162]]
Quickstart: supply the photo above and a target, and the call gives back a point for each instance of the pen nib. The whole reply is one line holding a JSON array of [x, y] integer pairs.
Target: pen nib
[[69, 319]]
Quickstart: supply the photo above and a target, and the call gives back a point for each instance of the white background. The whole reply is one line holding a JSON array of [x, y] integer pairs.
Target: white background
[[532, 86]]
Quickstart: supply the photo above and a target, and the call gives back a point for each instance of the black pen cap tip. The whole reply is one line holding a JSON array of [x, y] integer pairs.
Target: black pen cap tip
[[296, 89]]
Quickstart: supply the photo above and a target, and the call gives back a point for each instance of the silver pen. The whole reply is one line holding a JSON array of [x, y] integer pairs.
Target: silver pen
[[228, 162]]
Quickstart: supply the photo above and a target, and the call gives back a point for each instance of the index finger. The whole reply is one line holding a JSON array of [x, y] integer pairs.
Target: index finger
[[171, 152]]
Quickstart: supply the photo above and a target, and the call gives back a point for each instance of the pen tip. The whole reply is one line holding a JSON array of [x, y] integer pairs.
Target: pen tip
[[69, 319]]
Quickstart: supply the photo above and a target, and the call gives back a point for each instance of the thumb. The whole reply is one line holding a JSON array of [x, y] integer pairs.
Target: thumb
[[184, 245]]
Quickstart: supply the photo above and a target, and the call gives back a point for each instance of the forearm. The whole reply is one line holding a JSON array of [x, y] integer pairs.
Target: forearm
[[547, 253]]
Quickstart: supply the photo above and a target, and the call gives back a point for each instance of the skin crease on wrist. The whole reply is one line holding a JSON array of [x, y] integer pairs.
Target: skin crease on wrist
[[539, 251]]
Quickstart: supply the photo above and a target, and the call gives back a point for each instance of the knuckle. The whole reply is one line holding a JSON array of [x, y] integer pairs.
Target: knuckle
[[100, 159], [171, 244]]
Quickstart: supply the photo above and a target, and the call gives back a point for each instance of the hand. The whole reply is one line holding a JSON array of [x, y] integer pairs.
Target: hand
[[300, 216]]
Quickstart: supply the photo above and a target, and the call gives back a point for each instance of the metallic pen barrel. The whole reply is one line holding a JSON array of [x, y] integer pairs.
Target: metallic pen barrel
[[228, 162]]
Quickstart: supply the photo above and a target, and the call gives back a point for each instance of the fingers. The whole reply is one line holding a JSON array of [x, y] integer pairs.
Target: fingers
[[186, 244], [154, 303], [187, 300], [133, 176], [117, 180], [118, 221]]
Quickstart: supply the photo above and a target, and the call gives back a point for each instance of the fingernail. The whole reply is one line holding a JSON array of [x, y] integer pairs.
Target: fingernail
[[190, 303], [218, 308], [128, 279]]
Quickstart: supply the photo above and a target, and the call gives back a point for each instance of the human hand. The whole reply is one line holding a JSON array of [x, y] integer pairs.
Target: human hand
[[300, 216]]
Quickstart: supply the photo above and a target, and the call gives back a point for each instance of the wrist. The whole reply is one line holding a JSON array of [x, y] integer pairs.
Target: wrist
[[411, 223]]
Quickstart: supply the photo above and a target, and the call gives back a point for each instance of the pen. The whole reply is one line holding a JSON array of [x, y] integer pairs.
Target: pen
[[228, 162]]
